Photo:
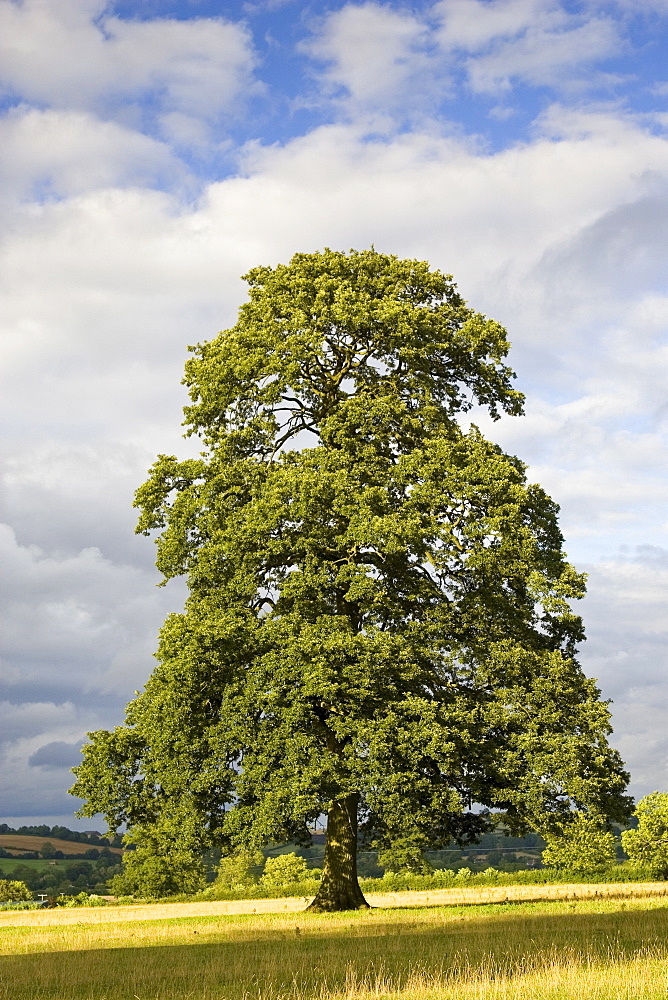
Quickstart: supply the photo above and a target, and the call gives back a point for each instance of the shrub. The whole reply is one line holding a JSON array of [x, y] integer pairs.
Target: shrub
[[585, 847], [82, 899], [286, 869], [151, 874], [236, 872], [648, 845], [404, 856], [13, 892]]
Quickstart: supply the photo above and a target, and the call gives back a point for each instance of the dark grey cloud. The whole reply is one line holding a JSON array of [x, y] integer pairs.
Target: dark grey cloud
[[56, 755], [624, 248]]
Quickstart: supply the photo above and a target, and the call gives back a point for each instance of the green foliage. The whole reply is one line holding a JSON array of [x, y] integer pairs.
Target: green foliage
[[40, 876], [12, 892], [239, 870], [584, 847], [445, 878], [404, 856], [159, 866], [81, 899], [286, 869], [442, 878], [379, 604], [648, 844]]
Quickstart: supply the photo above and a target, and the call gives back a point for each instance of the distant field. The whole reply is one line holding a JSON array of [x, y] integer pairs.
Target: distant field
[[588, 950], [20, 843], [8, 865]]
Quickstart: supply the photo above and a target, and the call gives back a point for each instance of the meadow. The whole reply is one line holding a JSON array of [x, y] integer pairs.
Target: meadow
[[18, 843], [7, 865], [597, 949]]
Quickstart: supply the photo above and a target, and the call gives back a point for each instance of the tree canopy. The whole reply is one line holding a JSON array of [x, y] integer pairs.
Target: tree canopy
[[585, 846], [379, 624], [647, 844]]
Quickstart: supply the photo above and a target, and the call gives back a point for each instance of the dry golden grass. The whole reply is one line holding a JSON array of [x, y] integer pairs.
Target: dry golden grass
[[594, 949], [294, 904]]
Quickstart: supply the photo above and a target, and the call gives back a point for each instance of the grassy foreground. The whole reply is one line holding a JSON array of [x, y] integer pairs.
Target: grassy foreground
[[600, 949]]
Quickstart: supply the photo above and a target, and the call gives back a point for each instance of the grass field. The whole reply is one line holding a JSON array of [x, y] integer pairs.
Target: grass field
[[20, 842], [593, 949], [36, 864]]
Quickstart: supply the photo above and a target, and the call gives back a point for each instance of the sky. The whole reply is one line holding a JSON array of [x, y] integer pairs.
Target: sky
[[152, 151]]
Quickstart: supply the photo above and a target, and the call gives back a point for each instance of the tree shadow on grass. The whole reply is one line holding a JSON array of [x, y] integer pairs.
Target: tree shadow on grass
[[301, 957]]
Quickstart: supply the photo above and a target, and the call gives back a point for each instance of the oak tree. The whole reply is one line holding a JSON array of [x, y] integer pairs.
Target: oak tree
[[379, 625]]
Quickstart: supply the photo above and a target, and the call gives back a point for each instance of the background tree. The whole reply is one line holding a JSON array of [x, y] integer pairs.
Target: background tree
[[404, 856], [585, 846], [378, 625], [647, 845], [240, 870], [286, 869], [12, 891]]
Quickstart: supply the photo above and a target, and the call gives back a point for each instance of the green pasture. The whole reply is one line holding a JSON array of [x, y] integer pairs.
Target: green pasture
[[593, 949], [8, 865]]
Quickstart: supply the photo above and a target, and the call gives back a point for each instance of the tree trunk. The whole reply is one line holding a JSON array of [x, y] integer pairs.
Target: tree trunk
[[339, 888]]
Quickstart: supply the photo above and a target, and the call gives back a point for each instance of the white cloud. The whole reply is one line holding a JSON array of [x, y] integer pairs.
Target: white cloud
[[533, 41], [62, 153], [87, 490], [101, 291], [376, 54], [542, 57], [644, 7], [628, 638], [472, 24], [76, 623], [26, 727], [69, 55], [40, 791], [31, 719]]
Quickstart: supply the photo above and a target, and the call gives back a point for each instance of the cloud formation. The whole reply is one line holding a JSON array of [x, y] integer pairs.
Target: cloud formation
[[165, 73], [118, 249], [536, 42], [376, 56], [56, 755]]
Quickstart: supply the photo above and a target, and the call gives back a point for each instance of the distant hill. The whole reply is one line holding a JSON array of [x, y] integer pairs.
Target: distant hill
[[19, 843]]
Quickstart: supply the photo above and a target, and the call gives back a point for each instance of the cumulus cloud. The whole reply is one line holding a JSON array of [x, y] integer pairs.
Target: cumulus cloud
[[26, 790], [79, 637], [625, 612], [471, 24], [70, 55], [77, 623], [533, 41], [375, 55], [56, 755], [379, 59], [56, 154], [27, 720], [111, 266]]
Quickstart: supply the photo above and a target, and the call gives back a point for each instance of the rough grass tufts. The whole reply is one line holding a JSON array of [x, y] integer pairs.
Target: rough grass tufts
[[594, 949]]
